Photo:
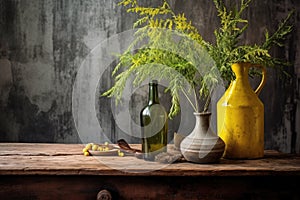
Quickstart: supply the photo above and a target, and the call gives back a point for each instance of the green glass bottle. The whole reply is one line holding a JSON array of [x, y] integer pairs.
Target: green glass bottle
[[154, 123]]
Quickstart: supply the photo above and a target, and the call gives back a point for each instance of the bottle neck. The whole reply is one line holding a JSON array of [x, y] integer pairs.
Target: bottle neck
[[153, 94]]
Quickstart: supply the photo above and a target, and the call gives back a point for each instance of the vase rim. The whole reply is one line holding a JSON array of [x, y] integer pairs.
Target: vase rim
[[202, 113]]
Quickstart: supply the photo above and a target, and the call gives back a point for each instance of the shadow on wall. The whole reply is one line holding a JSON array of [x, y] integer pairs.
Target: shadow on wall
[[6, 80], [6, 83]]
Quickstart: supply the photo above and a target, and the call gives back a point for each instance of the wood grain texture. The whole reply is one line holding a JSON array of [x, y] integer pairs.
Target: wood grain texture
[[67, 159], [60, 171]]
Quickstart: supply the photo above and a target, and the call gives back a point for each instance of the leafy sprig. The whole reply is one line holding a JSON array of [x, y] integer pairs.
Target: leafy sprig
[[164, 57]]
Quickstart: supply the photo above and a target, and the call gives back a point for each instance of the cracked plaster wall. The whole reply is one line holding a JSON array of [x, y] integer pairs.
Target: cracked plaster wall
[[43, 43]]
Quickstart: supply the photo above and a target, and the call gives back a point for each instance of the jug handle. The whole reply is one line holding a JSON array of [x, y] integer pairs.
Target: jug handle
[[263, 78]]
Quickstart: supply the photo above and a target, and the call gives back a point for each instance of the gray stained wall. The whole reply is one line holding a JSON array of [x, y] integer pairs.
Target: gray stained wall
[[46, 54]]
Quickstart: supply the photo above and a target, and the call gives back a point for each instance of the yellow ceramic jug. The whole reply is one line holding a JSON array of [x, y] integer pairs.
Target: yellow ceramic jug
[[240, 116]]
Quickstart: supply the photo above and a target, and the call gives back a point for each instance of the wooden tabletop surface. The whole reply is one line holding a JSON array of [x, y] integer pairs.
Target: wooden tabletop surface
[[68, 159]]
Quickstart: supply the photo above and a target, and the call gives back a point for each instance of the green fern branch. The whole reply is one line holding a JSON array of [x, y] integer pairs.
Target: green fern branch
[[162, 55]]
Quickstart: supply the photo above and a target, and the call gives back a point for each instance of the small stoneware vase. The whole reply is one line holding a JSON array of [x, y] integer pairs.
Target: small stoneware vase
[[202, 145]]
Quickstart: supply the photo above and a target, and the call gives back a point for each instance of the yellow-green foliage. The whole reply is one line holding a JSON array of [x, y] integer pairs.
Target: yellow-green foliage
[[161, 55]]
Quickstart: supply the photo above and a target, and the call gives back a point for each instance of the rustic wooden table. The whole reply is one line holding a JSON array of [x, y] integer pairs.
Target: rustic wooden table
[[60, 171]]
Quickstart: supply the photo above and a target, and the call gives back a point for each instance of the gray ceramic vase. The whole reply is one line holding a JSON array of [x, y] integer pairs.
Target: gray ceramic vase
[[202, 145]]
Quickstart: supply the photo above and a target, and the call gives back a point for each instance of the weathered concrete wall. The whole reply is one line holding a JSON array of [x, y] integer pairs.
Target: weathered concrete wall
[[45, 43]]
